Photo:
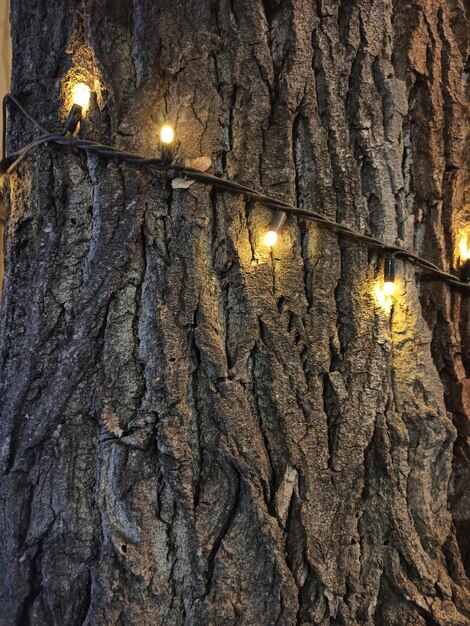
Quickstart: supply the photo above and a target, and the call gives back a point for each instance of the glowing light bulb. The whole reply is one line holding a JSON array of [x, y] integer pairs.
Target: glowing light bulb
[[81, 95], [389, 275], [277, 222], [167, 134], [384, 293], [270, 238], [384, 301], [464, 258], [81, 99], [463, 248]]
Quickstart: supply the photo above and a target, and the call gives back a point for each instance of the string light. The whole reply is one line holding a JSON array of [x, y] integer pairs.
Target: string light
[[466, 271], [167, 139], [81, 96], [270, 238], [9, 162], [389, 276], [464, 258], [277, 223], [81, 99], [385, 290], [384, 301], [167, 134]]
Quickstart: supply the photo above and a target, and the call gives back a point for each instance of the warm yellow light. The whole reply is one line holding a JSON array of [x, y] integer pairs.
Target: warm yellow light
[[81, 95], [167, 134], [270, 238], [389, 288], [385, 301], [463, 248]]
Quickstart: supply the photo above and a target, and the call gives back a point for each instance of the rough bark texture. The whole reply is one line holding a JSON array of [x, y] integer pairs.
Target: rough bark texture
[[2, 234], [195, 430]]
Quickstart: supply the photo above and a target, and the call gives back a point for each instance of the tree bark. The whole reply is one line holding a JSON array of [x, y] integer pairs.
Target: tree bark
[[195, 429]]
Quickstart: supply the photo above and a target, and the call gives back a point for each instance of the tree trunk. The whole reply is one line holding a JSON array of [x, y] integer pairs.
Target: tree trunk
[[197, 430]]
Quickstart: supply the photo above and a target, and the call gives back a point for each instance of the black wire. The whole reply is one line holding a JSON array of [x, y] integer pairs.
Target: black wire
[[10, 97], [9, 164], [18, 104]]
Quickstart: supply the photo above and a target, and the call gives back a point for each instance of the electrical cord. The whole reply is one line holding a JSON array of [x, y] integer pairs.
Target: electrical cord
[[11, 98], [9, 163]]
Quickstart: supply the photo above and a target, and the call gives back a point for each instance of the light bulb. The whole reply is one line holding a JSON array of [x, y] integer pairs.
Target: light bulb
[[277, 223], [463, 248], [385, 291], [81, 95], [270, 238], [81, 99], [464, 252], [167, 134], [389, 275], [385, 301]]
